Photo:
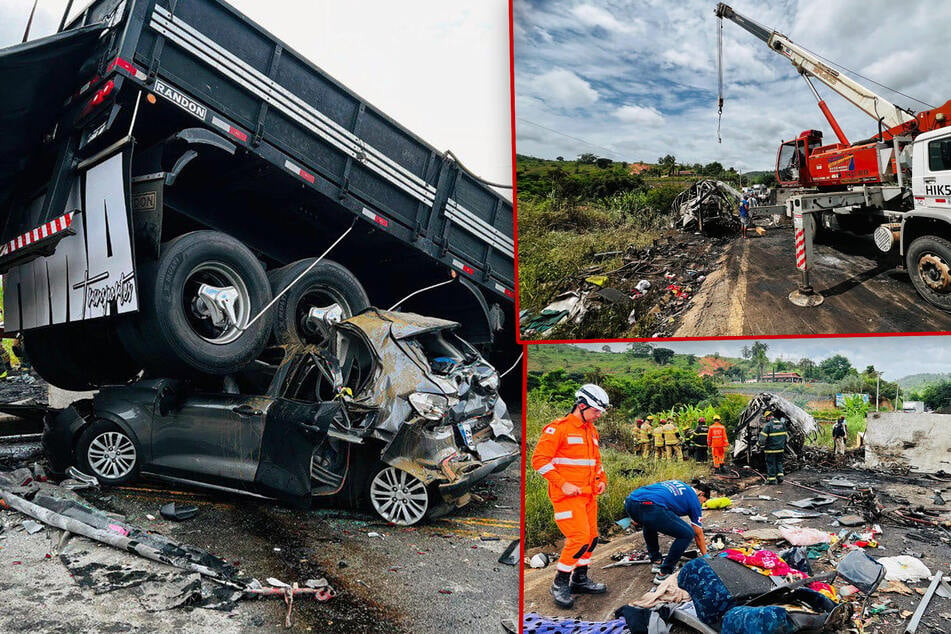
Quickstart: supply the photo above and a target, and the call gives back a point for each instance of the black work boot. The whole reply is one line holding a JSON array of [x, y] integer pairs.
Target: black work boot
[[580, 584], [560, 591]]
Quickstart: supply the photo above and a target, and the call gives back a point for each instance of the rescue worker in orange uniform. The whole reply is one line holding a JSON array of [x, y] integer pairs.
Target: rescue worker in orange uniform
[[717, 442], [568, 456]]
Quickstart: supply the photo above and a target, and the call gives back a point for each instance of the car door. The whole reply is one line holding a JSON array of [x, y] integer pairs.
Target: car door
[[213, 437]]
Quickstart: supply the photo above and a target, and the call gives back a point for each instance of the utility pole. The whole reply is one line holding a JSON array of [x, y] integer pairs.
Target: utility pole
[[878, 382]]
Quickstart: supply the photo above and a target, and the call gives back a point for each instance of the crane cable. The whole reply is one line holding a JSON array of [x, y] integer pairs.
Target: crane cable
[[719, 78]]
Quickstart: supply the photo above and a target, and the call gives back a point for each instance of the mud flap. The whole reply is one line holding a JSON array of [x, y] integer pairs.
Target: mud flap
[[291, 432]]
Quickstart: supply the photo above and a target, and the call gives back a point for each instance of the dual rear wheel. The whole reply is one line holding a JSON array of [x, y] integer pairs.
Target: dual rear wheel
[[197, 310]]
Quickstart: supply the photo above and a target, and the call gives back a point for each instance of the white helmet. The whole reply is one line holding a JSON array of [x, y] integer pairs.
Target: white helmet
[[593, 396]]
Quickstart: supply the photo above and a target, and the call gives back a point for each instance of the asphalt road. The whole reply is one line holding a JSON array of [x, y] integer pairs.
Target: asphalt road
[[418, 579], [627, 584], [863, 291]]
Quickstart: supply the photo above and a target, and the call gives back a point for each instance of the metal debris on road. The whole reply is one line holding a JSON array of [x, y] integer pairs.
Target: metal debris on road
[[178, 512]]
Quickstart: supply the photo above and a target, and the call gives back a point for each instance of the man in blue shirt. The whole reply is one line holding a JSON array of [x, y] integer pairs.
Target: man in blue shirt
[[744, 214], [658, 508]]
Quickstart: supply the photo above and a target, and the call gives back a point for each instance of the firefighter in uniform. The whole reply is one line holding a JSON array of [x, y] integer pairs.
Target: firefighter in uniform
[[717, 442], [672, 441], [568, 456], [772, 442], [644, 437], [698, 440], [658, 433]]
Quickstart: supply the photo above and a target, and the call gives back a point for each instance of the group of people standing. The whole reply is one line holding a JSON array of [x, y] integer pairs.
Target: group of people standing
[[662, 440], [568, 456]]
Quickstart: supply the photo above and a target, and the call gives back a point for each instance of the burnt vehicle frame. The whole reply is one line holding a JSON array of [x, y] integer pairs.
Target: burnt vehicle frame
[[392, 410]]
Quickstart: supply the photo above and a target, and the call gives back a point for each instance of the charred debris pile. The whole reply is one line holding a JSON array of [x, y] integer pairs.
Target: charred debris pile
[[707, 206], [652, 286], [644, 296]]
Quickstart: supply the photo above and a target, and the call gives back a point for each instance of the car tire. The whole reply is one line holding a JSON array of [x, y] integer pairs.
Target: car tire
[[327, 283], [80, 356], [109, 453], [172, 335], [397, 496], [929, 265]]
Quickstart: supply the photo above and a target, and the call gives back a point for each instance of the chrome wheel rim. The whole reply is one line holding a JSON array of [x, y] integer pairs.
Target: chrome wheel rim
[[217, 275], [317, 297], [111, 455], [399, 497]]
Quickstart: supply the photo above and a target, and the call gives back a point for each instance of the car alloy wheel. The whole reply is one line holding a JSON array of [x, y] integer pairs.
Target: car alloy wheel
[[399, 497], [111, 455]]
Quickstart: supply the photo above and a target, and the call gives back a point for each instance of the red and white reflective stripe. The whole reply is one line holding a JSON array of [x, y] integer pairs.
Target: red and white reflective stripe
[[127, 67], [506, 291], [223, 125], [43, 231], [462, 266], [299, 171], [377, 218], [801, 249], [941, 200]]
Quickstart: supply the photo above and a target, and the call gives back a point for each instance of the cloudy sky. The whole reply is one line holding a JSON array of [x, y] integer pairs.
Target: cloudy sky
[[637, 79], [895, 356], [442, 73]]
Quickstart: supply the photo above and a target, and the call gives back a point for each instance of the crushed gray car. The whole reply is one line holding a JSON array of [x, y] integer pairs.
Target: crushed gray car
[[392, 410]]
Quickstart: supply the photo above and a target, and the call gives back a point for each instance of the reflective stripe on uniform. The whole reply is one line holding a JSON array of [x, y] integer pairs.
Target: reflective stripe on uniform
[[575, 462], [774, 451], [575, 440], [542, 470], [564, 567], [584, 562], [564, 515], [779, 433]]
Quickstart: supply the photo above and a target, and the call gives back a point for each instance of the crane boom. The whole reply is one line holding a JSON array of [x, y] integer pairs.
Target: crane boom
[[890, 115]]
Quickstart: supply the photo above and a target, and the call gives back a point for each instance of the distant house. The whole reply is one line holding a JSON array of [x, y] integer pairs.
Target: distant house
[[639, 168], [783, 377]]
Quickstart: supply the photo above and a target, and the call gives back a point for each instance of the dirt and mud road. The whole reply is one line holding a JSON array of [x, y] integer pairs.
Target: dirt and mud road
[[864, 291], [626, 584], [415, 579]]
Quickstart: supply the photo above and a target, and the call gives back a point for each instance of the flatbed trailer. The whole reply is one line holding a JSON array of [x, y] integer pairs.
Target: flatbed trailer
[[184, 116]]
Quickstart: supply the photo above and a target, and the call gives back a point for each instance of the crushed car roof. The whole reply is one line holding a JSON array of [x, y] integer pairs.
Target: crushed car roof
[[376, 323]]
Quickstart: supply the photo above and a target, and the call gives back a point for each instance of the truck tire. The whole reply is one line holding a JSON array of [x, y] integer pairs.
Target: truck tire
[[929, 266], [327, 283], [79, 356], [174, 333]]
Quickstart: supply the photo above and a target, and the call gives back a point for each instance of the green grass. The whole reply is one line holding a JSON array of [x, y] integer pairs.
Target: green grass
[[625, 473], [557, 239]]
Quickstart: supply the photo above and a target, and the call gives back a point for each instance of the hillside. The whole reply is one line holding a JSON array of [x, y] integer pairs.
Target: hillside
[[918, 381], [578, 360]]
